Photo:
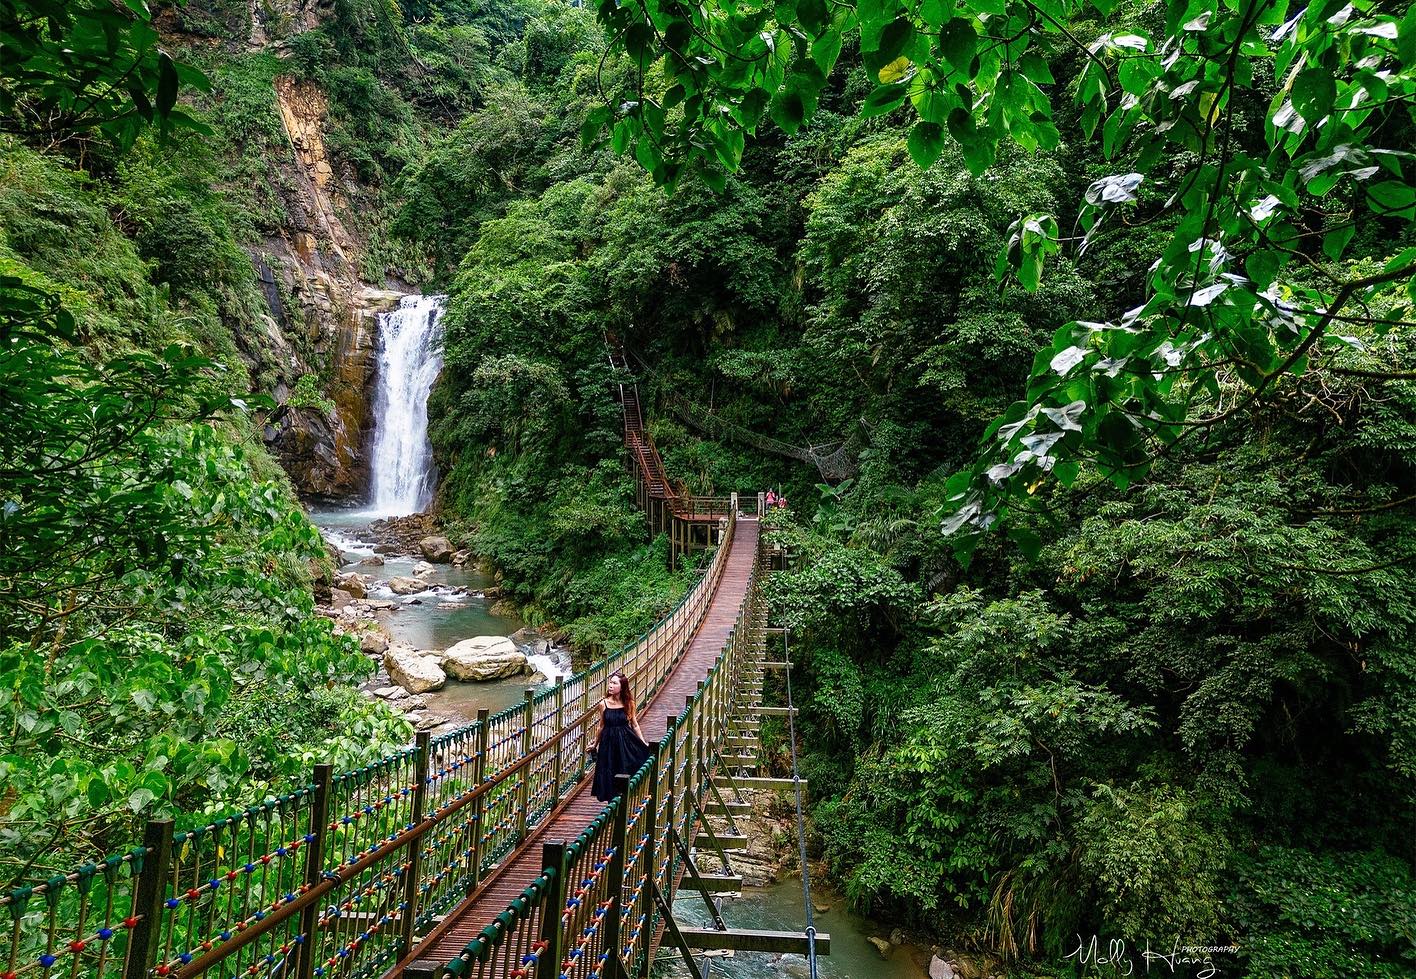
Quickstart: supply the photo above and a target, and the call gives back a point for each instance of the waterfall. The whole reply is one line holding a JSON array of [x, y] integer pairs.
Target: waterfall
[[410, 356]]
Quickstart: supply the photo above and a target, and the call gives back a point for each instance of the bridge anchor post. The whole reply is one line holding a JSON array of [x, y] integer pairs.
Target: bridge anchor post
[[615, 912], [523, 788], [152, 891], [650, 856], [409, 913], [548, 965], [479, 773], [314, 868]]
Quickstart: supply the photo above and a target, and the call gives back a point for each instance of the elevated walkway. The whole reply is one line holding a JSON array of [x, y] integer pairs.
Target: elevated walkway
[[727, 610]]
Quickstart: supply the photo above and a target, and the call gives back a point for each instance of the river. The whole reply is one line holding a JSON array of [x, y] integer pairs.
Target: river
[[779, 908], [455, 609]]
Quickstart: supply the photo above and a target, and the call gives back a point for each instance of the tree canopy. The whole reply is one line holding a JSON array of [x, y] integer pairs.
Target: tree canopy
[[1257, 132]]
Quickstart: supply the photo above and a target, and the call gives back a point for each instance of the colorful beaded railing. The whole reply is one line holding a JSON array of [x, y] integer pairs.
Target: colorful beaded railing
[[338, 877]]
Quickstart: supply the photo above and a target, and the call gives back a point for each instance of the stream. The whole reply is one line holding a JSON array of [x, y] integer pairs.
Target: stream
[[778, 907], [453, 610]]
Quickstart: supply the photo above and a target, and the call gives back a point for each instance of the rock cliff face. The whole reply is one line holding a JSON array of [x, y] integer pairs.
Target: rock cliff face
[[318, 258], [273, 20], [320, 313], [314, 448]]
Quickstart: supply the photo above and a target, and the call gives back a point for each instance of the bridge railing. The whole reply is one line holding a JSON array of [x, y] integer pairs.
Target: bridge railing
[[337, 876], [596, 896]]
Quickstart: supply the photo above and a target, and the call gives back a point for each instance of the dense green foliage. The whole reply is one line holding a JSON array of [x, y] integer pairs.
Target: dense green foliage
[[1252, 131], [76, 68], [1184, 712], [155, 572]]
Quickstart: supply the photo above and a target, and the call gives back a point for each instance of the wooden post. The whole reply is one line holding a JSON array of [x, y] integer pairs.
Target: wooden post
[[152, 892], [650, 860], [557, 765], [479, 807], [700, 749], [690, 748], [415, 855], [553, 901], [523, 788], [314, 868], [616, 883], [671, 726], [585, 732]]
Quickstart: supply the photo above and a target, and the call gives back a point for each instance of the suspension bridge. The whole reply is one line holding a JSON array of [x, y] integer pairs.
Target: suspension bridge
[[479, 853]]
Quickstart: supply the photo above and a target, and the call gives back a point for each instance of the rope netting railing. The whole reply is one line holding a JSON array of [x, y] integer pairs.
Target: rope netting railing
[[603, 894], [337, 877]]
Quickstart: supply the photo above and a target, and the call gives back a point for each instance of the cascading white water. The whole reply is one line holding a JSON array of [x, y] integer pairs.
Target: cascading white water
[[410, 357]]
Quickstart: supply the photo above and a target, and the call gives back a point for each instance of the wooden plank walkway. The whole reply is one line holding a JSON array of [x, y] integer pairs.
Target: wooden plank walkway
[[507, 882]]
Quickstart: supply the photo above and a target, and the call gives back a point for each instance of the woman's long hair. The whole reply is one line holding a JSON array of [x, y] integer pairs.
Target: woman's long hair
[[625, 696]]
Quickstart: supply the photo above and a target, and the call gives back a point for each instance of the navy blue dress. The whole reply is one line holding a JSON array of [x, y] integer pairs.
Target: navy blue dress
[[621, 753]]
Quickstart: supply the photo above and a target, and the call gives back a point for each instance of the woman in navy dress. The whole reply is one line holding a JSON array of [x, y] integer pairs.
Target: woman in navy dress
[[619, 748]]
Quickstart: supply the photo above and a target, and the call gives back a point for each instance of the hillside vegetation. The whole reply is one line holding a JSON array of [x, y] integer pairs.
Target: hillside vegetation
[[1173, 702]]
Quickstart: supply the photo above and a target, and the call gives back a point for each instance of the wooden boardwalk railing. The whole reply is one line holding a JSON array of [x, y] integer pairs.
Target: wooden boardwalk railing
[[692, 522]]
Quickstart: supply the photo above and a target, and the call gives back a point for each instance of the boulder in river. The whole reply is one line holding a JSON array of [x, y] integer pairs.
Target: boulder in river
[[373, 641], [372, 561], [882, 945], [462, 557], [940, 969], [388, 549], [405, 585], [439, 550], [531, 642], [422, 569], [412, 672], [484, 658], [352, 583]]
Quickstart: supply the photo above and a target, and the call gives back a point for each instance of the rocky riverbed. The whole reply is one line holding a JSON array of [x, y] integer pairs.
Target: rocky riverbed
[[428, 618], [770, 829]]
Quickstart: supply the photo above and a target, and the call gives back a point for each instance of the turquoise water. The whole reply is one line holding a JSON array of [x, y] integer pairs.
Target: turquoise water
[[420, 621], [779, 908], [423, 625]]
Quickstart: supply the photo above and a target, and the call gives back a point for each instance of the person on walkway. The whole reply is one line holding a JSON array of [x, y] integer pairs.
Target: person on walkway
[[771, 499], [619, 748]]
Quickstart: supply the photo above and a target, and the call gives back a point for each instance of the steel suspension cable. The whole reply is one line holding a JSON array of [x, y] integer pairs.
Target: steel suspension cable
[[801, 819]]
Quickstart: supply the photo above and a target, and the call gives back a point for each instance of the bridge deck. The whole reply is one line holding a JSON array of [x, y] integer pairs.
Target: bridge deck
[[506, 882]]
